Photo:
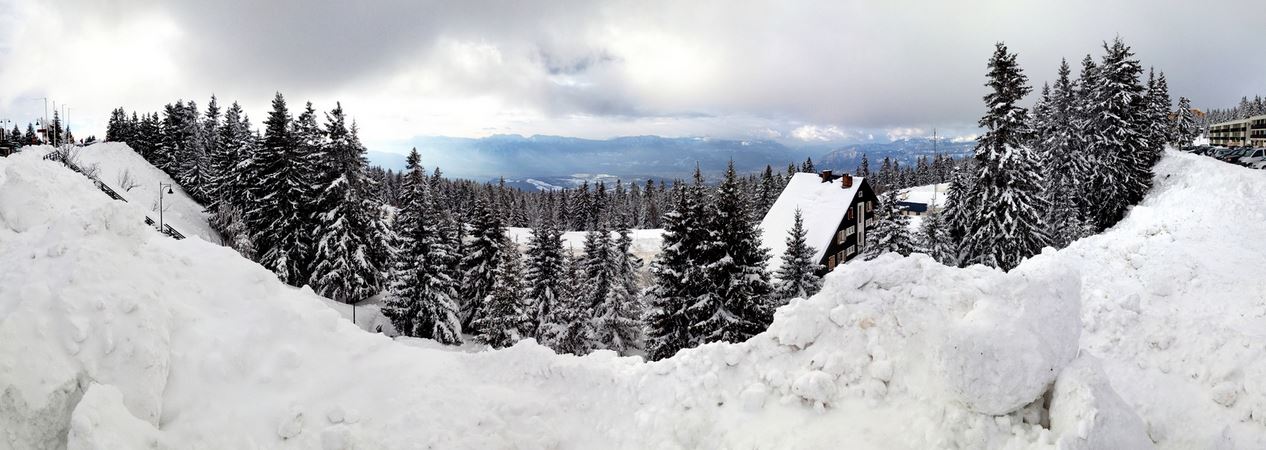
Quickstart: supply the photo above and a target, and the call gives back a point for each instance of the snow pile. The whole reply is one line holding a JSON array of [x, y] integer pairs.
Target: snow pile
[[112, 335]]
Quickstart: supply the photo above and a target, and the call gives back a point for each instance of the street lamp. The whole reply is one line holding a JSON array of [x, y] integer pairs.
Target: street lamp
[[162, 185]]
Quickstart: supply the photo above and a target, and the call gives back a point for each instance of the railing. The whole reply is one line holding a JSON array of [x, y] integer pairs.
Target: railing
[[60, 156]]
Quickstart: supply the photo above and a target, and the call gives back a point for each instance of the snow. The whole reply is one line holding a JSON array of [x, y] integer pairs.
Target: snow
[[114, 160], [930, 194], [113, 336], [822, 206]]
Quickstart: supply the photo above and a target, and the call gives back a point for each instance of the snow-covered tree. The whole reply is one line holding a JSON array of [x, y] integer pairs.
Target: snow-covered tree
[[569, 328], [891, 232], [421, 300], [1066, 163], [1119, 143], [617, 323], [595, 263], [544, 274], [736, 306], [1006, 198], [677, 274], [934, 238], [344, 268], [798, 274], [281, 191], [1158, 128], [1185, 128], [503, 313], [479, 261]]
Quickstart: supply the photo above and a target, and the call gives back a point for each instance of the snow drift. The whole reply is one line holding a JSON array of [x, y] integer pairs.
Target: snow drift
[[112, 335]]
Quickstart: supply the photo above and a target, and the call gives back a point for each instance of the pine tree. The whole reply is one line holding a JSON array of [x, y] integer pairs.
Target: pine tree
[[935, 240], [544, 275], [891, 232], [677, 274], [503, 313], [1120, 147], [421, 299], [342, 267], [808, 166], [1006, 198], [479, 262], [863, 170], [1185, 128], [617, 318], [767, 192], [280, 191], [1067, 164], [1157, 116], [595, 265], [569, 329], [736, 306], [798, 274]]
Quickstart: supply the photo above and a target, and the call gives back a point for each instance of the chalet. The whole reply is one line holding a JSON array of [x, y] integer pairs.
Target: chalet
[[837, 212]]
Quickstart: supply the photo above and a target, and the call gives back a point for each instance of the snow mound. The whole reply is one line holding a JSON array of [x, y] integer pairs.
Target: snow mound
[[115, 336]]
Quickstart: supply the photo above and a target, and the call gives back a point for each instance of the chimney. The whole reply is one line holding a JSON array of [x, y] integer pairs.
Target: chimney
[[826, 176], [848, 181]]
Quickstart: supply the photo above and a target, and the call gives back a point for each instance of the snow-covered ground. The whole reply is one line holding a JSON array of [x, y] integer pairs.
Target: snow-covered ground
[[113, 336], [136, 180]]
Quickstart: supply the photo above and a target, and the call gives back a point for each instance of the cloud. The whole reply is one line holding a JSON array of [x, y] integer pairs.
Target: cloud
[[818, 133], [709, 67]]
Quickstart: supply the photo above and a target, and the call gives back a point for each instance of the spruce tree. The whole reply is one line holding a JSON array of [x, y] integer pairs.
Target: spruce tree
[[798, 274], [1120, 147], [595, 265], [677, 274], [280, 192], [891, 232], [479, 261], [421, 299], [569, 328], [736, 305], [1007, 226], [1067, 164], [342, 267], [544, 276], [617, 323], [1185, 128], [503, 312], [934, 238]]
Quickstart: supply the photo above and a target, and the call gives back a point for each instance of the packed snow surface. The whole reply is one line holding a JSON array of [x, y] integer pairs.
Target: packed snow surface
[[114, 336]]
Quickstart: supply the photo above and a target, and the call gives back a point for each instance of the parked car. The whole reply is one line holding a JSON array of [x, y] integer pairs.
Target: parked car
[[1251, 156], [1234, 154]]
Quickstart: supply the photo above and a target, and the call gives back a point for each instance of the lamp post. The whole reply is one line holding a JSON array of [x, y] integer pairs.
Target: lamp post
[[162, 185]]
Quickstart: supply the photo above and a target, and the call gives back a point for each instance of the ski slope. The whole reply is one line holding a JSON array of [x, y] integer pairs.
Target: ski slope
[[113, 336]]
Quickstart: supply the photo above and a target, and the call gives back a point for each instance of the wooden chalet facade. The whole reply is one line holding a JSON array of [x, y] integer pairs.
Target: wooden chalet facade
[[837, 211]]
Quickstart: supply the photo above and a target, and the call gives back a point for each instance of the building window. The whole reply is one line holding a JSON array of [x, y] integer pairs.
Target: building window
[[852, 250], [839, 237], [852, 229], [870, 206], [850, 214], [830, 262]]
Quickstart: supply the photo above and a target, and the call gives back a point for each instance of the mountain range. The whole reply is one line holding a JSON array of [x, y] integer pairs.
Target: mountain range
[[546, 162]]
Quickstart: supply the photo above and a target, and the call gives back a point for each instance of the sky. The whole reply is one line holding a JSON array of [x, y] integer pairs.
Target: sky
[[794, 71]]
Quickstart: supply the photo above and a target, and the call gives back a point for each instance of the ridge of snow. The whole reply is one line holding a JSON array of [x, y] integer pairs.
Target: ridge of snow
[[210, 350]]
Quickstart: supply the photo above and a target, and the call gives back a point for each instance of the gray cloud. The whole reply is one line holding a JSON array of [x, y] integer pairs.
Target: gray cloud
[[589, 68]]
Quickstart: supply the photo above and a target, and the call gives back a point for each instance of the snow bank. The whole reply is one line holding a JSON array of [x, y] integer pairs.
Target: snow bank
[[893, 353], [1088, 414]]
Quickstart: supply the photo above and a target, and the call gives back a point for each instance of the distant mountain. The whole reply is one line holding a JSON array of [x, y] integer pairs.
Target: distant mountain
[[542, 157], [552, 162], [906, 151]]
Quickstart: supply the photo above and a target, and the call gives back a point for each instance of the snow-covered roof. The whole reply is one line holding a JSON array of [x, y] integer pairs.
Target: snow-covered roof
[[926, 194], [822, 205]]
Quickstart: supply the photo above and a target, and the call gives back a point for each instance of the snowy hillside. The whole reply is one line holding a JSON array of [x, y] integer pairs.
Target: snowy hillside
[[137, 181], [113, 336]]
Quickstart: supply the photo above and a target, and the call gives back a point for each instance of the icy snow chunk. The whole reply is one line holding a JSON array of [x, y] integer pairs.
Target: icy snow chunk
[[880, 370], [1087, 414], [754, 396], [292, 425], [1225, 393], [1006, 351], [815, 386], [102, 422]]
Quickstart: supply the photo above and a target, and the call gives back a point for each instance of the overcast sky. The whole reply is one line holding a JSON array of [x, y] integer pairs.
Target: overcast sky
[[790, 70]]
